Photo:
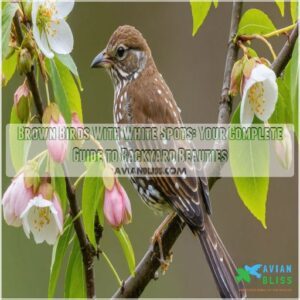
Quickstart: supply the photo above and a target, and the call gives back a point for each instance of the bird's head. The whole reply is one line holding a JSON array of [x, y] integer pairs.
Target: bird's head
[[125, 55]]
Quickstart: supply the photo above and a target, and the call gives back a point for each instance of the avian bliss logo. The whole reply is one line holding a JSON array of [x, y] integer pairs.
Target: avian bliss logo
[[267, 274]]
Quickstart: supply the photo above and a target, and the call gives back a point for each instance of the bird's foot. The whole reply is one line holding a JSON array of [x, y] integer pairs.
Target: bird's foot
[[157, 238], [164, 261]]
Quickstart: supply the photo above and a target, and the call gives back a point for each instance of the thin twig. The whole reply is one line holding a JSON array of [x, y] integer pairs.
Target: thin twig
[[87, 250], [148, 266], [286, 52], [260, 38]]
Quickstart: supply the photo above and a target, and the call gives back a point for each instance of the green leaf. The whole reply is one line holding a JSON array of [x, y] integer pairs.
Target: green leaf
[[250, 157], [18, 148], [252, 52], [75, 277], [58, 253], [216, 3], [67, 60], [294, 10], [254, 21], [92, 191], [294, 84], [9, 67], [287, 106], [280, 4], [70, 88], [59, 183], [60, 94], [283, 111], [200, 10], [7, 17], [100, 211], [127, 248]]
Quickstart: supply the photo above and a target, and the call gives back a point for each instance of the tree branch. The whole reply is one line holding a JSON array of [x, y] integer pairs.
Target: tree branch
[[87, 249], [146, 269], [286, 52]]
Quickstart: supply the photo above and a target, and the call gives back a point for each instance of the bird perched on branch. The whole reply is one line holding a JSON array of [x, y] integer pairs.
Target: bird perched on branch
[[143, 97]]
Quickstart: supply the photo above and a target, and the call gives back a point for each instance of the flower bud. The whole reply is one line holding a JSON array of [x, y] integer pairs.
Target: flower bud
[[27, 8], [236, 76], [249, 66], [31, 175], [57, 142], [79, 128], [46, 190], [108, 177], [15, 200], [117, 207], [284, 149], [29, 44], [22, 99], [76, 123], [25, 61]]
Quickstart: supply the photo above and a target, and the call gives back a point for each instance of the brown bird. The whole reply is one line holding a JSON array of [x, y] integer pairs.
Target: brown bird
[[141, 96]]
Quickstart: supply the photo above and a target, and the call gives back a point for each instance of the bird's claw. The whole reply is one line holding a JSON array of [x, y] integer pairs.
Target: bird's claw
[[165, 263]]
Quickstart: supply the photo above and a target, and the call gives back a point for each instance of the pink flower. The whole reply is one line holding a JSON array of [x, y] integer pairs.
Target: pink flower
[[15, 200], [76, 123], [79, 130], [22, 91], [44, 218], [117, 207], [21, 102], [57, 143]]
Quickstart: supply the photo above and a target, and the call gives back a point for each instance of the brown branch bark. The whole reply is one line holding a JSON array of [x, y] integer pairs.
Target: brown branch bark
[[148, 266], [286, 52], [87, 249]]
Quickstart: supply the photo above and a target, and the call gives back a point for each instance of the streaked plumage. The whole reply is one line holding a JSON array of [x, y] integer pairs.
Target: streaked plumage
[[143, 97]]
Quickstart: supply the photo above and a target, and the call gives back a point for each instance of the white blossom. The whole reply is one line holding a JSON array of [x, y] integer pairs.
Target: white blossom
[[43, 218], [50, 30], [259, 95]]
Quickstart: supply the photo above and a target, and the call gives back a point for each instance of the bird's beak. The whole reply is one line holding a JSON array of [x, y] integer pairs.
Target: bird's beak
[[101, 60]]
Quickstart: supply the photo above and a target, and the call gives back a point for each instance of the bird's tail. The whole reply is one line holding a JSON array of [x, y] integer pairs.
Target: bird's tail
[[220, 262]]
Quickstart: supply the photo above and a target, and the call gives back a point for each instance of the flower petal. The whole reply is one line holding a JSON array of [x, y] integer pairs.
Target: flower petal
[[246, 112], [41, 218], [26, 226], [113, 207], [41, 41], [34, 11], [61, 41], [262, 72], [270, 98], [63, 8], [58, 215], [32, 217], [50, 231]]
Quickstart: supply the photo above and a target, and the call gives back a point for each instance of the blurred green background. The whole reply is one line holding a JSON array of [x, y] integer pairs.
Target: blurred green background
[[193, 67]]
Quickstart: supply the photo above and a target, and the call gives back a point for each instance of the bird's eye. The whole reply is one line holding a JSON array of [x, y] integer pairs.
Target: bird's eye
[[121, 52]]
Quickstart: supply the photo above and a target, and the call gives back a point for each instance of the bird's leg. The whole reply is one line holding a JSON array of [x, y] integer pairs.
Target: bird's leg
[[156, 238]]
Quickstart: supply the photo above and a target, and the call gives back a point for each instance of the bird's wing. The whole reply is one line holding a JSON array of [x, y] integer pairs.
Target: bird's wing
[[183, 194]]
